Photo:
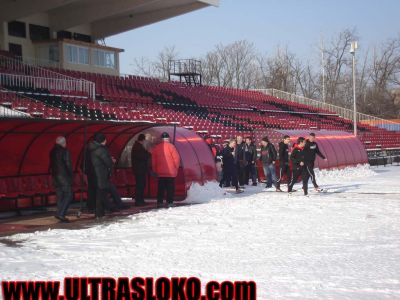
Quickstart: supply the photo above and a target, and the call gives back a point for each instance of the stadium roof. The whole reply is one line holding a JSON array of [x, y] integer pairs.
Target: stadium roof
[[105, 17]]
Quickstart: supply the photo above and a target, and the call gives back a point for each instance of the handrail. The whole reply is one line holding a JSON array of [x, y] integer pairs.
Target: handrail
[[34, 82], [30, 67], [341, 111]]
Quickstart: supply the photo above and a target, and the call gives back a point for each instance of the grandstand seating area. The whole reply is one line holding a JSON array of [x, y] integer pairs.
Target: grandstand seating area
[[217, 111]]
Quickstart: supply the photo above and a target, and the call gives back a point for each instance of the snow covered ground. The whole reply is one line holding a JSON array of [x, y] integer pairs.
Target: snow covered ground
[[344, 244]]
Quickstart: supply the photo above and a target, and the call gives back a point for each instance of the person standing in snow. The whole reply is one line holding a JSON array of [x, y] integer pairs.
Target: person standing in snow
[[140, 165], [62, 174], [240, 160], [268, 157], [297, 158], [311, 150], [165, 164], [250, 154], [283, 161], [230, 164], [102, 164]]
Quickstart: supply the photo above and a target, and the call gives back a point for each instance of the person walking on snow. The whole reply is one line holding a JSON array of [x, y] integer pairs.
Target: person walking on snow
[[268, 157], [165, 164], [297, 158], [250, 154], [62, 174], [311, 150]]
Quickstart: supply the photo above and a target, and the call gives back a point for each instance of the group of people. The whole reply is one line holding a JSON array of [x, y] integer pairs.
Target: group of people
[[161, 161], [239, 159]]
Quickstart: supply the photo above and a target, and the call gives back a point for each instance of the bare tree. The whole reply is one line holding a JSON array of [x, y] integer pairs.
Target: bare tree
[[158, 68], [338, 66], [239, 65]]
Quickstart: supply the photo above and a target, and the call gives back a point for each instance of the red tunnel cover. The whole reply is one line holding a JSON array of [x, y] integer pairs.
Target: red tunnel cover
[[25, 145]]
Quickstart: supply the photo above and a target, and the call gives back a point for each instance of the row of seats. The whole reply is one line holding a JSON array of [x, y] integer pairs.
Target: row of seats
[[206, 108]]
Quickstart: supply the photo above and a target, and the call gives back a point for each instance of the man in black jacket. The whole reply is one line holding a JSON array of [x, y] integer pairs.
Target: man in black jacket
[[61, 171], [268, 157], [250, 155], [102, 163], [297, 158], [230, 164], [241, 162], [283, 161], [311, 150], [140, 165]]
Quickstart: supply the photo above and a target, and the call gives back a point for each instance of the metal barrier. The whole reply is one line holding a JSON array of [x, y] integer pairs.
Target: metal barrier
[[30, 73], [341, 111], [33, 82]]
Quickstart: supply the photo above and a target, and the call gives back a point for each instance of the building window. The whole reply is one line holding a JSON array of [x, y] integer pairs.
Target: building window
[[39, 33], [76, 54], [103, 58], [16, 28]]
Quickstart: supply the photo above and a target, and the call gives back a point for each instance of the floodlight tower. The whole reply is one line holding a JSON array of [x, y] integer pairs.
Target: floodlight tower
[[353, 48]]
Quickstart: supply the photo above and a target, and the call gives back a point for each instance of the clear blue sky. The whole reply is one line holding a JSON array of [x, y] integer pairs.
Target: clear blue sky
[[267, 23]]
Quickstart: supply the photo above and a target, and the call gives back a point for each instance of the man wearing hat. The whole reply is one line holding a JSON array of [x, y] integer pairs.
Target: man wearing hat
[[165, 163], [140, 166]]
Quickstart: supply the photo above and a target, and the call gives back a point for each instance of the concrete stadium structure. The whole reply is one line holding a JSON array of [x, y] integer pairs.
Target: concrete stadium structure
[[68, 33]]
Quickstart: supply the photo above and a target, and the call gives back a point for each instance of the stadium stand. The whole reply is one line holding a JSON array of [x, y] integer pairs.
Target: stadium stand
[[221, 112]]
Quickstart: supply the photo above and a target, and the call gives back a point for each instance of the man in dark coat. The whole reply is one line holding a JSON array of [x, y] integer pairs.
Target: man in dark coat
[[297, 158], [268, 157], [241, 162], [283, 160], [61, 171], [311, 150], [230, 164], [250, 155], [140, 165], [102, 164]]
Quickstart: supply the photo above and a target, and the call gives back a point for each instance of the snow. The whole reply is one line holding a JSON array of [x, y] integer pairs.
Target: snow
[[344, 244]]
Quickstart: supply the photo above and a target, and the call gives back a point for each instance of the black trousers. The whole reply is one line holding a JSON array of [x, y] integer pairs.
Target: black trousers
[[240, 174], [250, 172], [231, 176], [65, 196], [113, 191], [310, 170], [101, 202], [283, 169], [140, 186], [102, 199], [166, 184], [297, 172]]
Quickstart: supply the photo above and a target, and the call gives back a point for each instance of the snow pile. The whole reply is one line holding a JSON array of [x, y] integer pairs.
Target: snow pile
[[204, 193], [346, 174]]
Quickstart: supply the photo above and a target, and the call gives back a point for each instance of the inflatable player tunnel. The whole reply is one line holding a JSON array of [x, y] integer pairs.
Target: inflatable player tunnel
[[25, 144]]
